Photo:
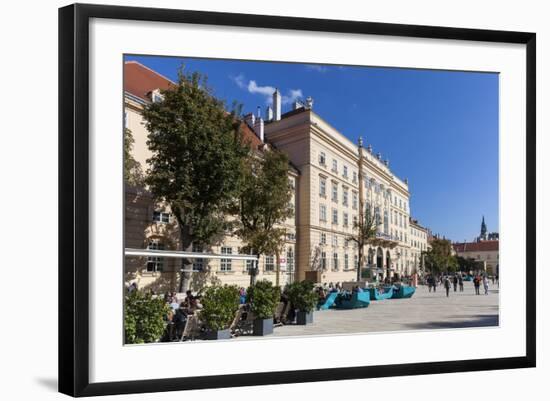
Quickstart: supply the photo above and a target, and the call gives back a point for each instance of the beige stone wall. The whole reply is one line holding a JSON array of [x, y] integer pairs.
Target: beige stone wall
[[304, 137], [490, 258]]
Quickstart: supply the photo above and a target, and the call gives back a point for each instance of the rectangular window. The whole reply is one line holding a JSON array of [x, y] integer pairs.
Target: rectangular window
[[334, 192], [269, 263], [225, 264], [344, 196], [354, 177], [334, 166], [354, 200], [155, 263], [322, 213], [322, 159], [291, 183], [354, 221], [198, 264], [345, 172], [290, 258], [322, 186], [323, 260], [334, 216], [346, 219], [323, 240], [334, 240], [161, 217], [346, 261], [335, 261], [356, 261]]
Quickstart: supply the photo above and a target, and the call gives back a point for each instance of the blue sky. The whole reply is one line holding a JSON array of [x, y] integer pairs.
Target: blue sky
[[439, 129]]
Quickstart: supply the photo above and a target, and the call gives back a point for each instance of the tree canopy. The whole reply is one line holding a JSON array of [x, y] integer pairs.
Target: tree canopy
[[196, 156], [264, 202], [440, 257]]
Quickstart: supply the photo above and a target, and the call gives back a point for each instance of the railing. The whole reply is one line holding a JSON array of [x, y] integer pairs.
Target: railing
[[185, 255]]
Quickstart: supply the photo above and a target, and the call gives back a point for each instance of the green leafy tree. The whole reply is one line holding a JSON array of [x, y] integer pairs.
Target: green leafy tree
[[196, 157], [133, 173], [263, 298], [440, 257], [364, 232], [264, 204], [219, 305], [144, 317]]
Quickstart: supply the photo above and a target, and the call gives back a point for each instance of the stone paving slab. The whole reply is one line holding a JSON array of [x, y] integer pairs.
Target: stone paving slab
[[423, 311]]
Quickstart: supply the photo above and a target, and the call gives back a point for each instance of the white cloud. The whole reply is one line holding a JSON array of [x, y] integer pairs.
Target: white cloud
[[293, 94], [262, 90], [239, 80], [265, 90]]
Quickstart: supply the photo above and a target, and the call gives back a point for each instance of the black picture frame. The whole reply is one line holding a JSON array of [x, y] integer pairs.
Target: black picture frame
[[74, 201]]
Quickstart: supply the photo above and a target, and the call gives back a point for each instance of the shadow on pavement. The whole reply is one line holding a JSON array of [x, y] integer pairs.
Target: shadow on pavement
[[477, 321]]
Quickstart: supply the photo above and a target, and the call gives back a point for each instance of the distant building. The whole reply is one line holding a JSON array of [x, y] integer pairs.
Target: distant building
[[419, 244], [485, 249]]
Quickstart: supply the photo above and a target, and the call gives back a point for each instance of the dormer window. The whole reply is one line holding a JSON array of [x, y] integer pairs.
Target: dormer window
[[156, 96]]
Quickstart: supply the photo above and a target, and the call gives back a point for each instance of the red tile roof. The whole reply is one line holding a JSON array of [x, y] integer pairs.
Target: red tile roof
[[140, 80], [482, 246], [250, 137]]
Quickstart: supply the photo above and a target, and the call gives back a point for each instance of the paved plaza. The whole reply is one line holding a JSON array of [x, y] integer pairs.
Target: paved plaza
[[423, 311]]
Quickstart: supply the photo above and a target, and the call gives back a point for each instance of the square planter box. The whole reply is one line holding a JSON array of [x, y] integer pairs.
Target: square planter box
[[263, 327], [218, 335], [303, 318]]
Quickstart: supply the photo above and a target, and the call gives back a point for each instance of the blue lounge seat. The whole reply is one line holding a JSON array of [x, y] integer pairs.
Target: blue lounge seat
[[353, 301], [329, 301], [375, 294], [404, 291]]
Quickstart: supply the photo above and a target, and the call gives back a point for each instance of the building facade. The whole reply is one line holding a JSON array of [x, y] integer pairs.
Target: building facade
[[419, 244], [329, 198], [329, 190]]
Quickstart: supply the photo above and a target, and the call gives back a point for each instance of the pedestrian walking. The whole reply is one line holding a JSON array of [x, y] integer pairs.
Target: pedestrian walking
[[447, 285], [460, 283], [455, 282], [477, 280], [486, 285]]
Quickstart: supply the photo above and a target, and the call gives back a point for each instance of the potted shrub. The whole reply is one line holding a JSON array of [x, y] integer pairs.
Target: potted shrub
[[144, 318], [263, 298], [219, 305], [304, 300]]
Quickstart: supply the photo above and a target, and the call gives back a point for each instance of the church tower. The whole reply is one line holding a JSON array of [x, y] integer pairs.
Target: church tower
[[483, 232]]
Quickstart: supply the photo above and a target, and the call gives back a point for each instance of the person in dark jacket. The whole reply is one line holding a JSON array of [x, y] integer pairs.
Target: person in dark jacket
[[460, 283], [477, 282], [447, 285], [455, 282]]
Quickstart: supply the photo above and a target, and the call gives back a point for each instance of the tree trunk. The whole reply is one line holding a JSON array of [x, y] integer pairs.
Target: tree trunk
[[186, 264], [254, 270], [277, 268]]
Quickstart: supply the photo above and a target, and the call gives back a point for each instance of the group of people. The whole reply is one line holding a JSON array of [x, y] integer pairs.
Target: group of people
[[457, 282], [179, 313]]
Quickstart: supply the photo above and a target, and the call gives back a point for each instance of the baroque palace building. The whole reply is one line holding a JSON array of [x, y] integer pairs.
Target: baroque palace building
[[329, 189]]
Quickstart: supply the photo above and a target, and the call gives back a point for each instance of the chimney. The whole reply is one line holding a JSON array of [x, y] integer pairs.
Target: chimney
[[268, 113], [276, 105], [250, 120], [259, 127]]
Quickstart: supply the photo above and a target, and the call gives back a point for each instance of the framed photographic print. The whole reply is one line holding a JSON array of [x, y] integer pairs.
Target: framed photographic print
[[275, 199]]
